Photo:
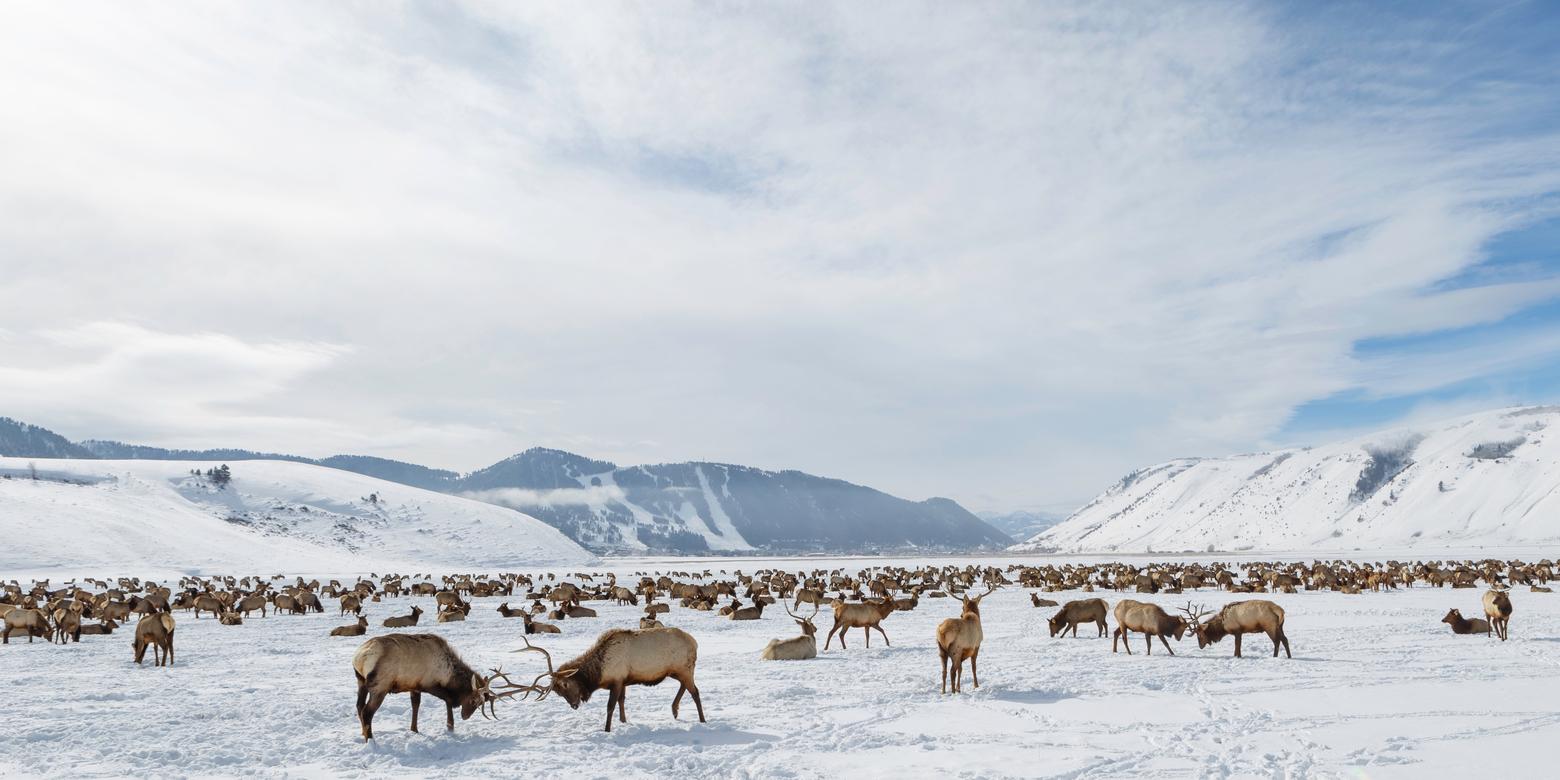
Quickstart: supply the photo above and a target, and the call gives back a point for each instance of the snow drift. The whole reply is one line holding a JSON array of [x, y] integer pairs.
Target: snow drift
[[132, 516], [1485, 479]]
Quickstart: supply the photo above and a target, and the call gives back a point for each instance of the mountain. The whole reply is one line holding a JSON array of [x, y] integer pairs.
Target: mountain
[[1022, 523], [30, 441], [700, 507], [1486, 479], [678, 508], [132, 517]]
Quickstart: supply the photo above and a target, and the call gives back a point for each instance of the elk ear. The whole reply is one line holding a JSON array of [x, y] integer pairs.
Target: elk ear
[[564, 674], [476, 682]]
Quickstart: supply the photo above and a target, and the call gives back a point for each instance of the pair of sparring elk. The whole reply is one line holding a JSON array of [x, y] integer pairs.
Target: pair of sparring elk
[[798, 648], [1238, 618], [622, 657]]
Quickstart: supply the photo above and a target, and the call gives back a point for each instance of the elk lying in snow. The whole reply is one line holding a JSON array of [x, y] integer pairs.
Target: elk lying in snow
[[418, 664], [230, 619], [1238, 618], [503, 609], [650, 622], [1462, 625], [533, 627], [622, 657], [155, 631], [754, 612], [356, 629], [959, 638], [34, 621], [1075, 613], [1147, 619], [1040, 602], [865, 616], [1497, 607], [404, 621], [100, 629], [798, 648]]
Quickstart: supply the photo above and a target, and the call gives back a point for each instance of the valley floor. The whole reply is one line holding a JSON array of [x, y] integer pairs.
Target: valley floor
[[1377, 688]]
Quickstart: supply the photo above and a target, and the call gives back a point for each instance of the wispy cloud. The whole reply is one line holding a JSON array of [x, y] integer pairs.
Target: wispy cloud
[[975, 249]]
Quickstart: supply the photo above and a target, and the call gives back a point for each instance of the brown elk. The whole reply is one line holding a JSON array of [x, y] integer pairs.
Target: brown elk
[[1040, 602], [866, 616], [34, 621], [418, 664], [503, 609], [206, 603], [155, 631], [1238, 618], [754, 612], [1497, 607], [1148, 619], [230, 618], [808, 595], [650, 622], [249, 604], [622, 657], [533, 627], [405, 621], [1462, 625], [67, 623], [798, 648], [353, 603], [1075, 613], [356, 629], [107, 626], [959, 638]]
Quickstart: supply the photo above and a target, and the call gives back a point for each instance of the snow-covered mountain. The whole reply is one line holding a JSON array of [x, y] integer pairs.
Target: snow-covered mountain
[[132, 516], [1486, 479], [1021, 523], [693, 507]]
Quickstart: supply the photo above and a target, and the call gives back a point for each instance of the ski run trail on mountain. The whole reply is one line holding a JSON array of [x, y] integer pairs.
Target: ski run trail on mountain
[[1378, 687]]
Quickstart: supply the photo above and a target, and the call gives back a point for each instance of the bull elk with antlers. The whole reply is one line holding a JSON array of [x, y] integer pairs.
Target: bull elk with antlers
[[1238, 618], [959, 639], [622, 657], [798, 648], [418, 664]]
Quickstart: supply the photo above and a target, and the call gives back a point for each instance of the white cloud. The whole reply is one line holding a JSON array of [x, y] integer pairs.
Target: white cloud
[[1003, 251]]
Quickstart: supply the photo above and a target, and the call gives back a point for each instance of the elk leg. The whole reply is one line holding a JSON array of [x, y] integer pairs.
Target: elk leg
[[830, 638], [366, 717], [942, 659], [885, 636], [974, 669], [1148, 642], [622, 698], [362, 695], [1237, 645], [416, 702], [682, 688], [170, 649], [449, 716], [866, 631], [1166, 644], [612, 700], [697, 702]]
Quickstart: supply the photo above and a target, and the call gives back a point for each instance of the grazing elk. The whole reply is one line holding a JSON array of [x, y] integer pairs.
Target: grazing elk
[[798, 648], [406, 621], [249, 604], [1076, 613], [418, 664], [1238, 618], [155, 631], [1497, 607], [1462, 625], [1147, 619], [356, 629], [622, 657], [865, 616], [959, 638], [34, 621]]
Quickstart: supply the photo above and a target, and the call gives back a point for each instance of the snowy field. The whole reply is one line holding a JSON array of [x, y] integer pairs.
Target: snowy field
[[1378, 687]]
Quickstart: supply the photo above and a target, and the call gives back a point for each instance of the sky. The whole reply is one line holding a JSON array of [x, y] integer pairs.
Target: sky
[[1001, 252]]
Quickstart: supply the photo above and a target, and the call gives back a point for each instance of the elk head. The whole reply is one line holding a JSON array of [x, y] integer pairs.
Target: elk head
[[1193, 621], [973, 604], [806, 624]]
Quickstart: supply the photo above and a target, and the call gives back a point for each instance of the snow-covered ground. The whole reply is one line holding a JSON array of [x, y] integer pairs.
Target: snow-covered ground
[[1491, 478], [154, 518], [1378, 687]]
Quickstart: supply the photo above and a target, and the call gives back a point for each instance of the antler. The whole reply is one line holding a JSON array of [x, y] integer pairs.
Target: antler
[[1195, 614], [534, 687]]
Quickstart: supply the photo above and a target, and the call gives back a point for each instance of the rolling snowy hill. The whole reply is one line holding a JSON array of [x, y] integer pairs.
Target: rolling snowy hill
[[128, 516], [1487, 479]]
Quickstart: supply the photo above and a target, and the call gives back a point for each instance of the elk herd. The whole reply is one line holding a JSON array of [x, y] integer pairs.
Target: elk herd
[[425, 663]]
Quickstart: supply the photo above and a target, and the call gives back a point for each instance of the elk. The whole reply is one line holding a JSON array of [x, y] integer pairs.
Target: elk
[[356, 629], [1462, 625], [533, 627], [249, 604], [1040, 602], [155, 631], [1497, 607], [107, 626], [959, 638], [1146, 618], [67, 623], [754, 612], [622, 657], [230, 618], [405, 621], [809, 595], [503, 609], [418, 664], [351, 603], [866, 616], [1238, 618], [798, 648], [207, 603], [1076, 613], [34, 621]]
